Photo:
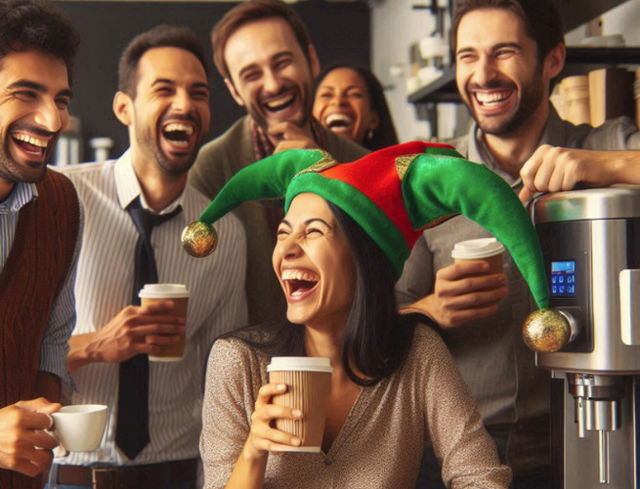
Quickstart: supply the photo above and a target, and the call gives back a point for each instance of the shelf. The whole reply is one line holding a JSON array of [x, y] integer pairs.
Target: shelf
[[444, 88]]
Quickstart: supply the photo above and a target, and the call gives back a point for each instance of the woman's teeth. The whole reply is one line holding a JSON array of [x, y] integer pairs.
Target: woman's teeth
[[290, 274], [338, 120]]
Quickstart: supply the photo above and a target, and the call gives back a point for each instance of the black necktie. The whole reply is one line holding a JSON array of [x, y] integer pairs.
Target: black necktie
[[132, 428]]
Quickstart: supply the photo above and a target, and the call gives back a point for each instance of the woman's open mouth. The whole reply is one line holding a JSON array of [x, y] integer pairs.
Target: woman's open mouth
[[299, 283]]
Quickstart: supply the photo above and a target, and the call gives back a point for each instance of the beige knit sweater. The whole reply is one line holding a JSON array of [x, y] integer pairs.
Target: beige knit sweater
[[381, 442]]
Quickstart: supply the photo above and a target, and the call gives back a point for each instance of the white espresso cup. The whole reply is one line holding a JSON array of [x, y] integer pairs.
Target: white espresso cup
[[179, 294], [79, 427]]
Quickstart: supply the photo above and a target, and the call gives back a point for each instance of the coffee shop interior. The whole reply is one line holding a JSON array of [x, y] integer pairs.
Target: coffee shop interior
[[596, 408], [406, 45], [404, 42]]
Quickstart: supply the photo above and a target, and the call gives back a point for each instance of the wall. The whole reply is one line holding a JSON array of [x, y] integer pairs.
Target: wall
[[395, 25]]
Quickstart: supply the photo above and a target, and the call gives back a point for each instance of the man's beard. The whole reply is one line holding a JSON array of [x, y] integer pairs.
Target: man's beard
[[264, 123], [13, 172], [532, 96], [145, 140]]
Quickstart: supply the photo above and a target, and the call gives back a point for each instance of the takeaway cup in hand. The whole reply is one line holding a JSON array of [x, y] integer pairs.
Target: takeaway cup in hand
[[179, 294], [308, 381], [487, 249], [79, 428]]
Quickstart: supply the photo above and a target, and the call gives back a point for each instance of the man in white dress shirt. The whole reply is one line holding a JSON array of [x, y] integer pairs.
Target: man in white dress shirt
[[163, 99]]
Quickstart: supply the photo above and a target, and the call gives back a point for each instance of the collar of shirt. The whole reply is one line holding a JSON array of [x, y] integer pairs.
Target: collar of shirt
[[22, 194], [128, 186], [479, 152]]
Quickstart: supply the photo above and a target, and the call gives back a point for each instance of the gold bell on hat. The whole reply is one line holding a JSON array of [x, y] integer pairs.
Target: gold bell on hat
[[546, 331], [199, 239]]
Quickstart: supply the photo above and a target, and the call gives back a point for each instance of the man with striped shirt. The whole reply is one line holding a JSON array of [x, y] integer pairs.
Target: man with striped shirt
[[163, 99], [39, 233]]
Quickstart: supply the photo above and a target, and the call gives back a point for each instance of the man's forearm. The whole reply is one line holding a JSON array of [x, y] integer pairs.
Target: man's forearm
[[79, 351]]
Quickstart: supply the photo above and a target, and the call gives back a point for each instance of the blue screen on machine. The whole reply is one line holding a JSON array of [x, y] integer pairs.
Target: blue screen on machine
[[563, 278]]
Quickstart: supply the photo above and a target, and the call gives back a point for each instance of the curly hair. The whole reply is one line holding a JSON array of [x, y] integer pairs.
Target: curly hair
[[37, 25], [162, 35]]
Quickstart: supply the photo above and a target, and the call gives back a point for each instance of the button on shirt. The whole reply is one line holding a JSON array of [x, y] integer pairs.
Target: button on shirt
[[53, 352], [105, 281]]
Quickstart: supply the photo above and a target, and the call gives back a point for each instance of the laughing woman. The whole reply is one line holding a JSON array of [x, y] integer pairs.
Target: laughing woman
[[349, 100], [394, 384]]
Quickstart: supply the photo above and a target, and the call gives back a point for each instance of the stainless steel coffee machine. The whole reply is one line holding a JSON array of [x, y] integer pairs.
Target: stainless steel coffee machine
[[591, 245]]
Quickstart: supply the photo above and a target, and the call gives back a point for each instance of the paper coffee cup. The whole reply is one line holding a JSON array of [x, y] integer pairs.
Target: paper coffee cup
[[79, 428], [487, 249], [308, 381], [179, 294]]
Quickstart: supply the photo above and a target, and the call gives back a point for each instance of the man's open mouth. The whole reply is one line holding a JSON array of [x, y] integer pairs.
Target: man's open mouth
[[32, 145], [280, 103], [492, 99], [179, 134]]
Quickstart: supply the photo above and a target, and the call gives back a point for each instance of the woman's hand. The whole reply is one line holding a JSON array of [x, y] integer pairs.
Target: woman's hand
[[263, 437]]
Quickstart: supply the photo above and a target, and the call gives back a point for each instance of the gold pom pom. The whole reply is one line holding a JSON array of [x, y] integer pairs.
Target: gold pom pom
[[546, 330], [199, 239]]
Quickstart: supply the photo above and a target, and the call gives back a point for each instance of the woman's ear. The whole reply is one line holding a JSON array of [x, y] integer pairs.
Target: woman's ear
[[375, 120], [122, 107]]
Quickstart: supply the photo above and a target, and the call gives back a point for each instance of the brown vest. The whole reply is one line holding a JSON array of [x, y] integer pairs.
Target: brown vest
[[31, 279]]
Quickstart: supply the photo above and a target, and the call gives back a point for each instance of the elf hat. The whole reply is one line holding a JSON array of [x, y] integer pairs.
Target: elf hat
[[393, 194]]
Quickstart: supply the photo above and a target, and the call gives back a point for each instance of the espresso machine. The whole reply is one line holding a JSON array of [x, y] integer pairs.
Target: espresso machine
[[590, 240]]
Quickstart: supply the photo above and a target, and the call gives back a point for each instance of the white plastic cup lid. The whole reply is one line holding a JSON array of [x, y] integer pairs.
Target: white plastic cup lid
[[305, 364], [162, 291], [477, 249]]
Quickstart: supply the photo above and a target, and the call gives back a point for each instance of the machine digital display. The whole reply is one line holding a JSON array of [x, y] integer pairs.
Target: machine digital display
[[563, 278]]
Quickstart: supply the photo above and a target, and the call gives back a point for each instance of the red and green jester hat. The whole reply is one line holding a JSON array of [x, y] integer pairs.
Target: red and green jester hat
[[394, 194]]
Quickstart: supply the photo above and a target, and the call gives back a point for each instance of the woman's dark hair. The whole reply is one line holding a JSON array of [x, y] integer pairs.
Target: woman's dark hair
[[376, 338], [385, 134]]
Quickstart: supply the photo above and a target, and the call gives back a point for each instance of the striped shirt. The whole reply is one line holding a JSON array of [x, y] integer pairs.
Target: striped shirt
[[104, 286], [54, 348]]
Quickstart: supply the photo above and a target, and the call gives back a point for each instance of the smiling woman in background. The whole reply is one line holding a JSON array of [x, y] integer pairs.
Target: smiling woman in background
[[350, 101]]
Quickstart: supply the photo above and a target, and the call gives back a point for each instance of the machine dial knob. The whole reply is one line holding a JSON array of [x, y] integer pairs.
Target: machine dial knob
[[548, 330]]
